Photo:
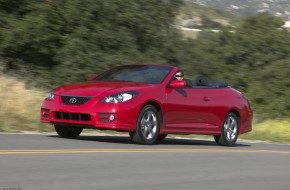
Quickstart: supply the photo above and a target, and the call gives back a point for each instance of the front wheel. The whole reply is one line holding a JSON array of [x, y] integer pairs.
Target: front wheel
[[131, 135], [230, 131], [161, 137], [148, 126], [68, 131]]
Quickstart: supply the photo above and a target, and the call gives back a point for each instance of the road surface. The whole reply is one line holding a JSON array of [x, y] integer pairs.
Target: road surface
[[45, 161]]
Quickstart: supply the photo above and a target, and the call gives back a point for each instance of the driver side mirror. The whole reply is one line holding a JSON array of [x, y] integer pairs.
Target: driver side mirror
[[177, 84]]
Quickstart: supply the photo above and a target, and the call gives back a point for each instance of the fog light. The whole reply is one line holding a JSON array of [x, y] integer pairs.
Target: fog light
[[45, 112], [107, 117], [111, 118]]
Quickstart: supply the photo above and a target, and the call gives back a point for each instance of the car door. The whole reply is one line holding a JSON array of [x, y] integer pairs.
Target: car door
[[191, 110]]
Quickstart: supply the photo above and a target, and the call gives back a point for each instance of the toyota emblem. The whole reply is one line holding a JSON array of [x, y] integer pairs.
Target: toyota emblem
[[72, 100]]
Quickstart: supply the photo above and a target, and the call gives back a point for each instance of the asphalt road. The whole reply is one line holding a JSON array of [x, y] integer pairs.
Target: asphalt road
[[36, 162]]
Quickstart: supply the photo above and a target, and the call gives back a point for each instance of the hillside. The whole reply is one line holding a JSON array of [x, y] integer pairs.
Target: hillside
[[279, 8], [193, 15], [197, 21]]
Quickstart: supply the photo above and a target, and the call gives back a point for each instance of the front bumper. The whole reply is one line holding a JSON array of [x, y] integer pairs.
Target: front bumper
[[120, 117]]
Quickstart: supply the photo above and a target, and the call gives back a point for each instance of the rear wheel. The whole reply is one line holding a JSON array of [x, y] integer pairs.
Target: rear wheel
[[230, 131], [68, 131], [148, 126]]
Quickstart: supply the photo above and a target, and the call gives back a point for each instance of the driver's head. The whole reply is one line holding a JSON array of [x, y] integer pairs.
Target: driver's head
[[179, 75]]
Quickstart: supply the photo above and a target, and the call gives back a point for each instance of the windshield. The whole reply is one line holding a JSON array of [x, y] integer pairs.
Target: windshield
[[149, 74]]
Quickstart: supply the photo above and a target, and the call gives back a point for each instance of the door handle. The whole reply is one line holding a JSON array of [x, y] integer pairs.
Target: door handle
[[205, 99]]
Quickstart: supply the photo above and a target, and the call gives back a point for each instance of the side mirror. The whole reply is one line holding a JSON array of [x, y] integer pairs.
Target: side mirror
[[177, 84]]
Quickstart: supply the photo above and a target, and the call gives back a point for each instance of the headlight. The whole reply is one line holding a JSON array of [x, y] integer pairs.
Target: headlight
[[120, 97], [50, 95]]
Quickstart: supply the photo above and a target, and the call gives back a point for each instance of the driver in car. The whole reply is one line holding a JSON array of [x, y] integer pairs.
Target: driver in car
[[179, 76]]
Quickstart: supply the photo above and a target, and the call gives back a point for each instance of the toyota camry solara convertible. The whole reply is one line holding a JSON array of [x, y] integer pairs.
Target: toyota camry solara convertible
[[148, 102]]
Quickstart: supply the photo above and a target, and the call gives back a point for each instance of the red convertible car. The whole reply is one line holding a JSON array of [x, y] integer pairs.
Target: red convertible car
[[149, 102]]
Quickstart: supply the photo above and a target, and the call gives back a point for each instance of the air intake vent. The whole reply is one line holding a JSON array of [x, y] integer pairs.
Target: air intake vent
[[72, 116]]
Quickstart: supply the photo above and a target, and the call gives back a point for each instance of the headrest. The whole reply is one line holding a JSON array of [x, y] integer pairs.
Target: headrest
[[202, 81]]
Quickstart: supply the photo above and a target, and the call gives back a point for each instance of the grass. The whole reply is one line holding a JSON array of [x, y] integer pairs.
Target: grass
[[270, 130], [19, 106], [20, 109]]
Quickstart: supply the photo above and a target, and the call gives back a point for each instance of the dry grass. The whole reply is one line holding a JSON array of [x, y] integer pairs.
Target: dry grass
[[19, 106], [270, 130]]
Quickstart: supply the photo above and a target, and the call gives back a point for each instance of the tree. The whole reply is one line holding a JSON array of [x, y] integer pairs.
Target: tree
[[86, 36], [256, 61], [257, 42], [269, 92]]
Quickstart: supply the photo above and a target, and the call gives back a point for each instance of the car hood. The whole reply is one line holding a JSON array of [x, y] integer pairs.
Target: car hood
[[96, 88]]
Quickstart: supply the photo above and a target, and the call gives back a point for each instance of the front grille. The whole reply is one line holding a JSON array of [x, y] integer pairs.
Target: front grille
[[72, 116], [75, 100]]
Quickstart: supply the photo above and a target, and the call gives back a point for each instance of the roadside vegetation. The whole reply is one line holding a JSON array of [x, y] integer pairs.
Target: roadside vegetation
[[19, 106], [270, 130], [45, 44]]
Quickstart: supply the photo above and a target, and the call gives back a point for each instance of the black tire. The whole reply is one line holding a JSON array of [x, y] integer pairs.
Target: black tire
[[68, 131], [131, 135], [230, 131], [161, 137], [148, 126]]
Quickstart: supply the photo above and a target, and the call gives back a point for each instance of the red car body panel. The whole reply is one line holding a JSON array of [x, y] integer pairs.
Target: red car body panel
[[184, 110]]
